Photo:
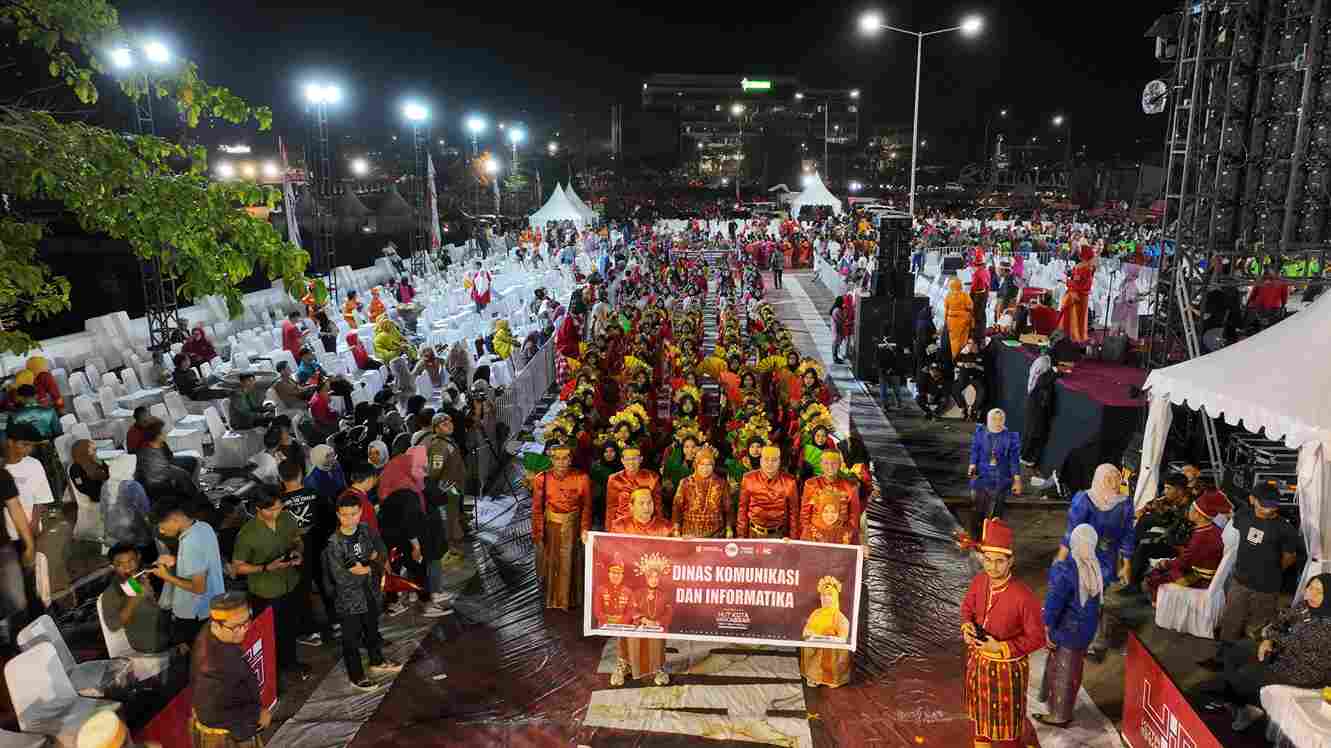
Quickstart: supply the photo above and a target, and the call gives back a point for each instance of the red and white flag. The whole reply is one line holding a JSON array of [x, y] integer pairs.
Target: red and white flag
[[288, 197]]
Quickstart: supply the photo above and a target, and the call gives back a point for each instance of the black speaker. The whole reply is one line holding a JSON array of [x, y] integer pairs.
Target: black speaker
[[893, 276], [896, 312]]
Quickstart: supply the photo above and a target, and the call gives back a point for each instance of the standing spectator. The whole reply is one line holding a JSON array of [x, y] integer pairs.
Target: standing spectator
[[354, 561], [447, 480], [327, 331], [227, 712], [291, 334], [995, 468], [44, 420], [1071, 614], [269, 551], [247, 409], [198, 569], [1110, 514], [293, 394], [778, 264], [363, 479], [1268, 545], [327, 481], [889, 369], [1039, 409], [839, 331], [18, 585]]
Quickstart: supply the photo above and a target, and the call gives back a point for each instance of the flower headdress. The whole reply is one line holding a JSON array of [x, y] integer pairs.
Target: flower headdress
[[808, 365], [652, 562], [829, 583]]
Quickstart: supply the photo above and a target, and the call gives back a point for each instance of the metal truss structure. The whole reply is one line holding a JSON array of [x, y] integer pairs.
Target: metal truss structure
[[323, 260]]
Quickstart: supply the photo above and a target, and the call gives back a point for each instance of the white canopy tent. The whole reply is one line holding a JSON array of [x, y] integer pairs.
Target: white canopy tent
[[557, 208], [582, 207], [815, 193], [1277, 380]]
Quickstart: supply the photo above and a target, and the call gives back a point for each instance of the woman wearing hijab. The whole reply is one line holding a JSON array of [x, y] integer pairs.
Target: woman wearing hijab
[[1039, 408], [1292, 652], [430, 364], [503, 341], [358, 352], [389, 342], [1071, 615], [958, 315], [1110, 514], [198, 348]]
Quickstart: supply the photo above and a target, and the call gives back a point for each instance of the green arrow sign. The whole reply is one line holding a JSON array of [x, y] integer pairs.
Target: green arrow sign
[[749, 85]]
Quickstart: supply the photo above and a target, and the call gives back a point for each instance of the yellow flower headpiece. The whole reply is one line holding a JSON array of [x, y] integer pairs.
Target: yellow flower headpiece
[[810, 364], [686, 428], [829, 583], [652, 562], [689, 391], [771, 363]]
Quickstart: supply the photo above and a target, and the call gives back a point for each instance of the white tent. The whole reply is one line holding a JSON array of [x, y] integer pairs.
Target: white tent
[[557, 208], [815, 193], [579, 204], [1277, 380]]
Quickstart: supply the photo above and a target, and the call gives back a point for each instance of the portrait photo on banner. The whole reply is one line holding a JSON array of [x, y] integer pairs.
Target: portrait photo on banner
[[775, 592]]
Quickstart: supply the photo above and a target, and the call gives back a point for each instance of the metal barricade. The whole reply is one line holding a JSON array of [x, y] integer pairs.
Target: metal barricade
[[514, 406]]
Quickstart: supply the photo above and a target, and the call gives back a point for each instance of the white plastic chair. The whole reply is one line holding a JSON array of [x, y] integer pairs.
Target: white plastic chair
[[425, 385], [88, 522], [180, 415], [130, 379], [67, 421], [93, 371], [84, 409], [109, 379], [158, 410], [228, 446], [1197, 611], [44, 699], [117, 645], [84, 676]]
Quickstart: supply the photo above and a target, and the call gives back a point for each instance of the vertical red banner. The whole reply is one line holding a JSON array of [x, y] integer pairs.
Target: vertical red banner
[[171, 725], [1155, 713]]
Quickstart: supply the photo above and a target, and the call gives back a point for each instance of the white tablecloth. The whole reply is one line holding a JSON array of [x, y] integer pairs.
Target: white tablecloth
[[1296, 714], [142, 397]]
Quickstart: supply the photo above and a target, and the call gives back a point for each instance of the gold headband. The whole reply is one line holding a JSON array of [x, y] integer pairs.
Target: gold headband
[[772, 451], [631, 450], [229, 616]]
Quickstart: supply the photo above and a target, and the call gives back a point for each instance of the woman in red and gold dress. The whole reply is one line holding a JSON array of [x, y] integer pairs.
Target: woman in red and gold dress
[[829, 517], [648, 607]]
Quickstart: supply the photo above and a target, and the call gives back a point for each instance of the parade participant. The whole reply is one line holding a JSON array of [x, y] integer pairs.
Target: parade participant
[[821, 666], [1071, 615], [44, 384], [1196, 562], [621, 486], [832, 486], [561, 516], [702, 506], [679, 463], [647, 607], [958, 316], [350, 307], [1072, 318], [980, 283], [995, 468], [225, 710], [768, 500], [1000, 623], [376, 304], [815, 437], [478, 282]]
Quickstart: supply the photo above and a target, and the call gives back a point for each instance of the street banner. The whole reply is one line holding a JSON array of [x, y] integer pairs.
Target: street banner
[[170, 727], [1155, 714], [778, 592]]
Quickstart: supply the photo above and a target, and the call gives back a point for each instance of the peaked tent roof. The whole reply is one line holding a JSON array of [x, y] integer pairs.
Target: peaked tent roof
[[1277, 379], [557, 208], [815, 193], [579, 204]]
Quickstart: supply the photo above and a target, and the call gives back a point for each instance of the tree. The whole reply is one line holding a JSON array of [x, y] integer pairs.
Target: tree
[[147, 191]]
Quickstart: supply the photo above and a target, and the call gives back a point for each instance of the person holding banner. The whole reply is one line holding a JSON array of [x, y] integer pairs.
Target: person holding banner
[[821, 495], [768, 500], [623, 485], [821, 666], [561, 500], [227, 712], [1000, 622], [647, 606], [702, 507]]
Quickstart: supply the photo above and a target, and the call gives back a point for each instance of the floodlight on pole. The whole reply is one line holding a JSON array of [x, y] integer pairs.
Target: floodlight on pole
[[799, 96], [225, 170], [492, 165], [1058, 120], [415, 112], [122, 58], [516, 135], [322, 93], [552, 147], [248, 170], [156, 52], [475, 126], [871, 22], [360, 167]]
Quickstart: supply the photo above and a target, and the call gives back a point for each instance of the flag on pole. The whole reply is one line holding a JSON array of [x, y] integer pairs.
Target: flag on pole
[[288, 196], [436, 239]]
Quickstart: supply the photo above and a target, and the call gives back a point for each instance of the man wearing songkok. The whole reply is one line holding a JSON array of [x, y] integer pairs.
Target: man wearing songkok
[[1000, 622], [226, 709], [561, 515], [621, 486], [1196, 563], [646, 607], [702, 507], [768, 501], [832, 485]]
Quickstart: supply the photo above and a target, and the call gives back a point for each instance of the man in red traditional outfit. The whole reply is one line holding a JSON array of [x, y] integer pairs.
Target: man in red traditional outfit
[[1000, 621], [1196, 562], [611, 605], [561, 515], [768, 501], [621, 486], [702, 506], [831, 485]]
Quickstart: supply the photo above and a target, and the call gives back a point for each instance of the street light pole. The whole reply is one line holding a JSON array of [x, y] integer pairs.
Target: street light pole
[[872, 22]]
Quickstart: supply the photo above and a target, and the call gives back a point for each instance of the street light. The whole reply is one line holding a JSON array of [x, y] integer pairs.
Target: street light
[[360, 167], [322, 93], [122, 58], [493, 167], [225, 170], [248, 170], [269, 169], [737, 109], [854, 93], [799, 96], [1058, 121], [987, 122], [871, 22], [415, 112], [475, 126], [156, 52]]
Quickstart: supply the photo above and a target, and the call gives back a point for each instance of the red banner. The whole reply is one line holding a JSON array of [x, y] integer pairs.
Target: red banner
[[1155, 714], [171, 725], [779, 592]]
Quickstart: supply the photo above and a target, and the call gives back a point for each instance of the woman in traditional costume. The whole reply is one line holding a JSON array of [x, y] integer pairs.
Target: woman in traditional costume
[[958, 315], [820, 666], [1073, 314], [649, 607], [376, 305], [607, 464], [1071, 614], [389, 342]]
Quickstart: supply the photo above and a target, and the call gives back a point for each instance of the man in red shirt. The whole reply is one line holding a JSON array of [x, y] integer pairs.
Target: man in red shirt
[[321, 410], [1270, 295], [363, 479], [291, 334], [135, 438]]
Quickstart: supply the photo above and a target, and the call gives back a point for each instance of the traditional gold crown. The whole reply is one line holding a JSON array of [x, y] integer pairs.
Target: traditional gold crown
[[689, 391], [829, 582]]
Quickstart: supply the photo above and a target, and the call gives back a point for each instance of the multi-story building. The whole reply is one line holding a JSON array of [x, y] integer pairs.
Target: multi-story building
[[758, 128]]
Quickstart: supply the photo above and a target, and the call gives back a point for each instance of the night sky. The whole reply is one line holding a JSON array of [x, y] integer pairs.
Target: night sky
[[1037, 58]]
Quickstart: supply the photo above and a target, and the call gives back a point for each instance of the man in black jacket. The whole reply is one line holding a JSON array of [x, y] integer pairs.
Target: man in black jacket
[[354, 562], [889, 370]]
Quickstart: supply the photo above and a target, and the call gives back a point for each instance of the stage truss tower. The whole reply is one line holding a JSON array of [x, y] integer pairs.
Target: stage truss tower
[[161, 302], [323, 261], [420, 241]]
